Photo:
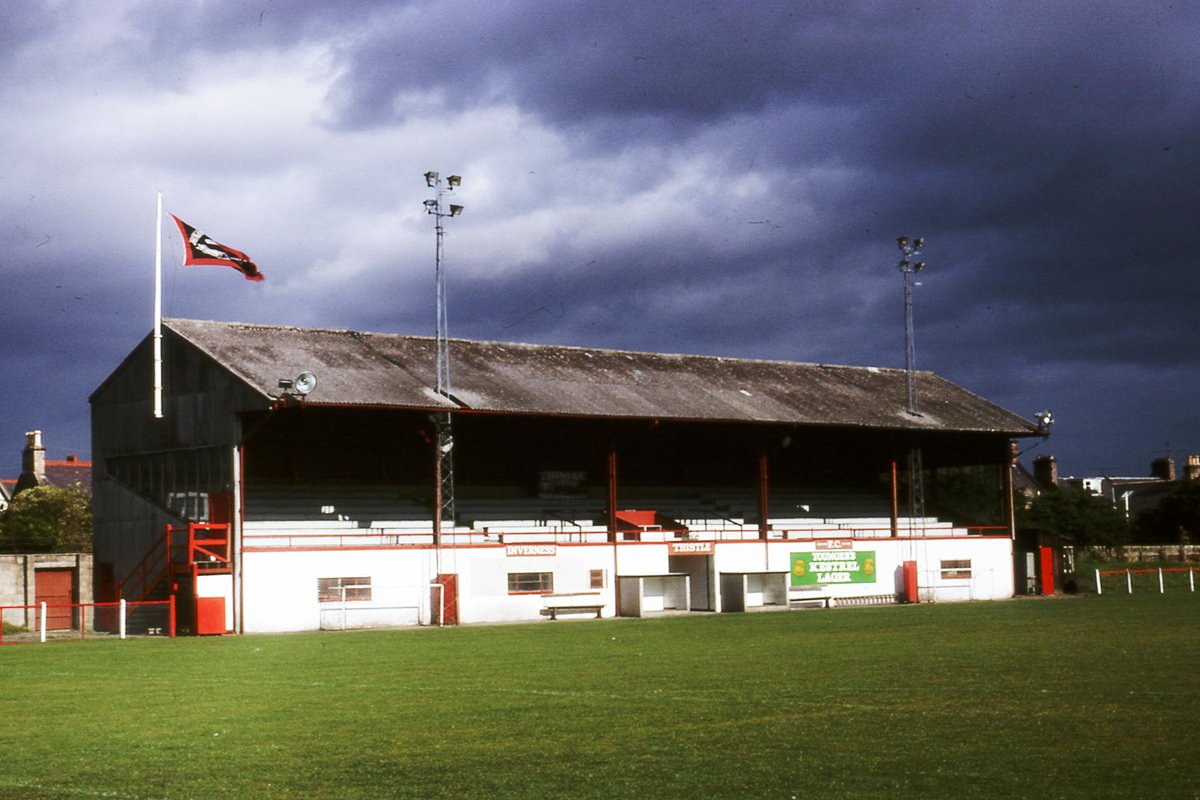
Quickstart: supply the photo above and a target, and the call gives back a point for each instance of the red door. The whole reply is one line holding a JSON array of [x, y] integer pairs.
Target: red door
[[1047, 565], [55, 587], [448, 600], [210, 616]]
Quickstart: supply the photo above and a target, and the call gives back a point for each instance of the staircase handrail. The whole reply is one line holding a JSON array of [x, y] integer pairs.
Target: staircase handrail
[[197, 544], [149, 571]]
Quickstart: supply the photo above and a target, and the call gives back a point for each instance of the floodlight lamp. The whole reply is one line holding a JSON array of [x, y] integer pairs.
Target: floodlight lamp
[[304, 383], [431, 178], [455, 210], [286, 383], [903, 241], [454, 180], [431, 206], [920, 265], [920, 241]]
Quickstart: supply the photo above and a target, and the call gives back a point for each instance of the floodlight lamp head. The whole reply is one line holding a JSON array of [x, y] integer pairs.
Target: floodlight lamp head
[[304, 383], [431, 206], [902, 241], [455, 210], [1044, 420], [454, 180], [920, 241], [431, 178], [920, 265]]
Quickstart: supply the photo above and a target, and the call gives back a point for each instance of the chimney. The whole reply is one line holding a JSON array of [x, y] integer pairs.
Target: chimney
[[1163, 469], [1045, 471], [33, 463], [1193, 468]]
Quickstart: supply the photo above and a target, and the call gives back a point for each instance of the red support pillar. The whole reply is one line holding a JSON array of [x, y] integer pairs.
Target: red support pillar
[[763, 496], [612, 493], [895, 502]]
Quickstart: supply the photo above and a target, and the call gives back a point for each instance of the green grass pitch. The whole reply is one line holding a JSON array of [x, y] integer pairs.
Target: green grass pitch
[[1094, 697]]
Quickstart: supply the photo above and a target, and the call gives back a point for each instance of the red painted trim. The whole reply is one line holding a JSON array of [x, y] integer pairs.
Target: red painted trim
[[497, 545]]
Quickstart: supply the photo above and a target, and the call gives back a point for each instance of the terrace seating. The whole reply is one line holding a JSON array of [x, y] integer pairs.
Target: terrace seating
[[325, 502]]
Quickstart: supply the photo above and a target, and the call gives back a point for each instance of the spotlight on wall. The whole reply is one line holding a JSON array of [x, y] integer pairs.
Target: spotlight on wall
[[1044, 420]]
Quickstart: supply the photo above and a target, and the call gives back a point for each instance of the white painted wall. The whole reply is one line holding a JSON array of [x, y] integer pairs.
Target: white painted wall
[[280, 588]]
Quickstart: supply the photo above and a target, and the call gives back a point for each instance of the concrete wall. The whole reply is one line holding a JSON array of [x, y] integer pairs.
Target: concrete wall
[[18, 580]]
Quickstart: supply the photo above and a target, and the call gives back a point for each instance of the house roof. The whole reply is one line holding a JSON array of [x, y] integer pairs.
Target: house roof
[[69, 473], [390, 370]]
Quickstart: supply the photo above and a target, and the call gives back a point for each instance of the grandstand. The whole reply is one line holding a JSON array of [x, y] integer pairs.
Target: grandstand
[[586, 481]]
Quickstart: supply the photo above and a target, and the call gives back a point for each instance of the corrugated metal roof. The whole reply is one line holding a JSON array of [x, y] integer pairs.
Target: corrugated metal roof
[[373, 369]]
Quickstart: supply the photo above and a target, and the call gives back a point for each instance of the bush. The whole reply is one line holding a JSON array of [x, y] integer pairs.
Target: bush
[[1175, 520], [1072, 512], [47, 519]]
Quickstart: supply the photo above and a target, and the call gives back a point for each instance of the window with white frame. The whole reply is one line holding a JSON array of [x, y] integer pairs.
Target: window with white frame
[[530, 582], [956, 569], [338, 589]]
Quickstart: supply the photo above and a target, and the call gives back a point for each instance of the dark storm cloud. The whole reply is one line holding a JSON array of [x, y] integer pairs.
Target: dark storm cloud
[[700, 177]]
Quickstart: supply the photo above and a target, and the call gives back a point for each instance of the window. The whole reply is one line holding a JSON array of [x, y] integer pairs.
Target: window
[[956, 569], [597, 578], [530, 582], [332, 589]]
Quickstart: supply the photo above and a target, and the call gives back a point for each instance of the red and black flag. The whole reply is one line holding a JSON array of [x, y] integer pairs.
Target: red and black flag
[[200, 248]]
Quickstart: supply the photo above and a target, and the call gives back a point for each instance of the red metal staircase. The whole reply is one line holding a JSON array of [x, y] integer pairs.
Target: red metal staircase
[[173, 564]]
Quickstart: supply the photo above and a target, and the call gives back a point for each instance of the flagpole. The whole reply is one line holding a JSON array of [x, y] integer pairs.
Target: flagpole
[[158, 385]]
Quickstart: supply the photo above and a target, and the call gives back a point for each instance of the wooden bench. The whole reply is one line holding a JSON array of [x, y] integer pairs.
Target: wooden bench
[[554, 611], [572, 603], [799, 599]]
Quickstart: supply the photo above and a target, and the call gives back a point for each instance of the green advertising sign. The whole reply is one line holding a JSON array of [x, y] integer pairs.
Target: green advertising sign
[[833, 566]]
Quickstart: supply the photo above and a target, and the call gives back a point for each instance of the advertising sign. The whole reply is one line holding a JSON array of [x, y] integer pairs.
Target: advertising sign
[[833, 566], [530, 550], [690, 548]]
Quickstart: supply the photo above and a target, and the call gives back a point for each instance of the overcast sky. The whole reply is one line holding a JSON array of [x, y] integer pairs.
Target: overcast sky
[[724, 178]]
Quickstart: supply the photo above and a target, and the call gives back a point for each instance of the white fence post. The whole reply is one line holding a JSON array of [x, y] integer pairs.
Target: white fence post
[[1160, 581], [122, 622], [43, 625], [1129, 581], [1192, 579], [1099, 587]]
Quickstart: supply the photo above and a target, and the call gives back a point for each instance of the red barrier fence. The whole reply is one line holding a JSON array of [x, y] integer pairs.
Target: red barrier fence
[[121, 618]]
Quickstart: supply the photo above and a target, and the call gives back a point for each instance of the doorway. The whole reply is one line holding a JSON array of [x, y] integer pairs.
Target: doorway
[[56, 588], [698, 568]]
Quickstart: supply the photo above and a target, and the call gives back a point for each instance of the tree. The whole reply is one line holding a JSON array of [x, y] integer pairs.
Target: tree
[[1175, 520], [47, 519], [1078, 515]]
